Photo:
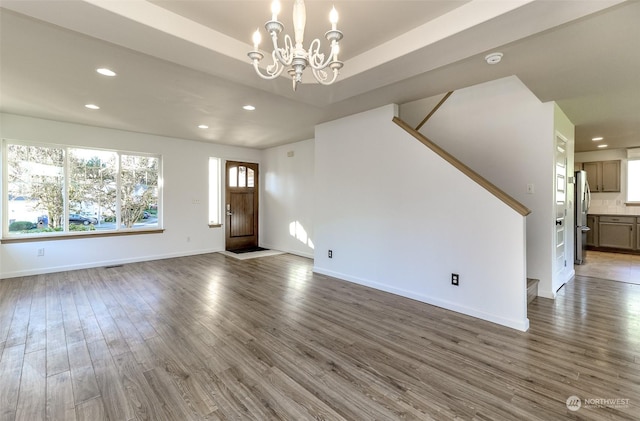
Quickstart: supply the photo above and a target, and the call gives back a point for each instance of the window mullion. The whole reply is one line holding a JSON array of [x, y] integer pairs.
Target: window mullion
[[5, 188], [118, 192], [66, 179]]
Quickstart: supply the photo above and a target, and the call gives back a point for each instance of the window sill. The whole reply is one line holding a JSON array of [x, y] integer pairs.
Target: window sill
[[215, 225], [632, 203], [35, 238]]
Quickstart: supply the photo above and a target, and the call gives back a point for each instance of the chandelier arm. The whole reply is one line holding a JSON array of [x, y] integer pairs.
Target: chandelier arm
[[272, 71], [322, 76], [316, 58], [284, 54]]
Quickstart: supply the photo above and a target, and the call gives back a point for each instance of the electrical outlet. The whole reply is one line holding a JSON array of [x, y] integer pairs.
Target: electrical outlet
[[455, 279], [40, 252], [330, 254]]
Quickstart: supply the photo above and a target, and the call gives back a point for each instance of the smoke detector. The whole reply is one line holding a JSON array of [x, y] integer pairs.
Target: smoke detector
[[493, 58]]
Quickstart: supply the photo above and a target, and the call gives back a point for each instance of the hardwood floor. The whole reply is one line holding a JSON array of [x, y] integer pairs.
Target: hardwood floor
[[210, 337]]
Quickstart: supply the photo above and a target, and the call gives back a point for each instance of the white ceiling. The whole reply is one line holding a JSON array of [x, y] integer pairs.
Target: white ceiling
[[182, 63]]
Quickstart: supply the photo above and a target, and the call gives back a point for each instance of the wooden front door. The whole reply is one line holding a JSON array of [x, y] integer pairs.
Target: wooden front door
[[241, 205]]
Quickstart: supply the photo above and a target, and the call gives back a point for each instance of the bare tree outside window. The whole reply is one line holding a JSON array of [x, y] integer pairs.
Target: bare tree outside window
[[35, 184], [96, 187], [138, 188], [92, 187]]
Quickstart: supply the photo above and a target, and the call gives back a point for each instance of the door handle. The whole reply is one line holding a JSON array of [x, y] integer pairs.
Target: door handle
[[558, 222], [229, 213]]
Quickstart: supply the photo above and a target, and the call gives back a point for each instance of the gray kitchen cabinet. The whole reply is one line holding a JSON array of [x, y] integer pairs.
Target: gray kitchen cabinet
[[603, 176], [617, 232], [592, 234]]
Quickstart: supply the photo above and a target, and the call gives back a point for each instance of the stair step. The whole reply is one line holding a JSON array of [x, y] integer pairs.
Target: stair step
[[532, 289]]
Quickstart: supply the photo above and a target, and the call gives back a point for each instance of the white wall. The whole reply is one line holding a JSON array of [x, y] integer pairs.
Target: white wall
[[610, 203], [287, 199], [185, 170], [503, 132], [401, 219]]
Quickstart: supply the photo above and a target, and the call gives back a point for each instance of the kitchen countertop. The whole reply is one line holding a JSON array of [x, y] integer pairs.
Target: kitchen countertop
[[613, 214]]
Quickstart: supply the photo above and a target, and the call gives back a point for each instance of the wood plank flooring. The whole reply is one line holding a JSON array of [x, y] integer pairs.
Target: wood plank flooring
[[210, 337]]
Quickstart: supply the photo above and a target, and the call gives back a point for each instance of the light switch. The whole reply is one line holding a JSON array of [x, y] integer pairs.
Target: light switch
[[530, 189]]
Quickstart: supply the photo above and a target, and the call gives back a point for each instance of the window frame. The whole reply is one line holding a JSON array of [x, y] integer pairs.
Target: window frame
[[636, 201], [7, 237], [215, 192]]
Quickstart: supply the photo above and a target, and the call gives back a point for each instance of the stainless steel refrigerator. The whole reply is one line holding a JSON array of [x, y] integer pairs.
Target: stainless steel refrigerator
[[582, 202]]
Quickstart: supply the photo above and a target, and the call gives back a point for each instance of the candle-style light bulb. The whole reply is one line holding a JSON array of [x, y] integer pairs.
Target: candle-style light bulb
[[333, 18], [275, 9], [256, 39]]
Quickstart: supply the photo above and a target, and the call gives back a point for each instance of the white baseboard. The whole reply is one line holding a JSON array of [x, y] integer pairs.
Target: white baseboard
[[522, 325], [547, 294], [287, 250]]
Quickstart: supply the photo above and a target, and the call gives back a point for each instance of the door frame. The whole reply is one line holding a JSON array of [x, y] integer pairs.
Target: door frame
[[250, 240], [563, 216]]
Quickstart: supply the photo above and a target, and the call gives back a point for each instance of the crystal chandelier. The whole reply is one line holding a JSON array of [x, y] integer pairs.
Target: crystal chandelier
[[296, 58]]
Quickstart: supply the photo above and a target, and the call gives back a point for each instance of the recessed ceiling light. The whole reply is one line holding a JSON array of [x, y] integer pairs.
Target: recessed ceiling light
[[92, 106], [248, 107], [602, 146], [203, 126], [493, 58], [596, 139], [106, 72]]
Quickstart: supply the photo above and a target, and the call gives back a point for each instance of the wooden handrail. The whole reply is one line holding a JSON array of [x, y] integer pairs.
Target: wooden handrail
[[438, 105], [483, 182]]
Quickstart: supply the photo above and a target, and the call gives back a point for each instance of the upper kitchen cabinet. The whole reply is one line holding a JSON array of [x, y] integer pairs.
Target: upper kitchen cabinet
[[603, 176]]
